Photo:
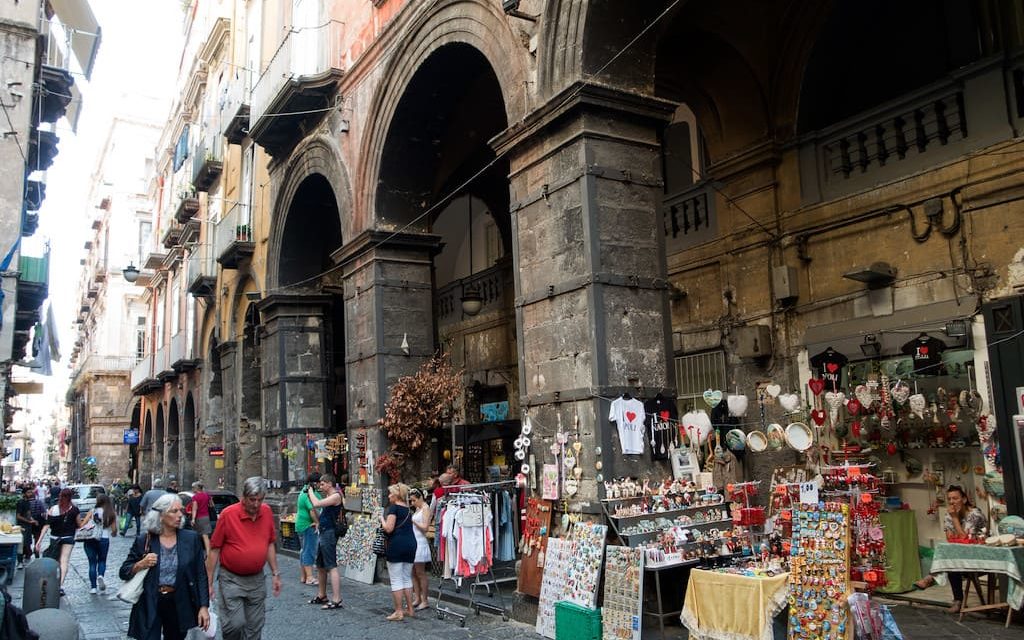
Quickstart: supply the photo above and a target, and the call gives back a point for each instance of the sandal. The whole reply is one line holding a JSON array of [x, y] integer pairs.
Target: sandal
[[319, 600], [332, 605]]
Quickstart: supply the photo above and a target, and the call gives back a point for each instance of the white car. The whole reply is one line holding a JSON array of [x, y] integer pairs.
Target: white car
[[84, 496]]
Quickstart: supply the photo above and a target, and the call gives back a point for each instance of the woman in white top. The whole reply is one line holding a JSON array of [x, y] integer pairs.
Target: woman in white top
[[421, 523], [105, 521]]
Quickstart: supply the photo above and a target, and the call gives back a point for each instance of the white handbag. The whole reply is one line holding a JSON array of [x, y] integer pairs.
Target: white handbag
[[131, 590]]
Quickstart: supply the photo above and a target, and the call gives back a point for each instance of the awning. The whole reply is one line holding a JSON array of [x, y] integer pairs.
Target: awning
[[77, 18]]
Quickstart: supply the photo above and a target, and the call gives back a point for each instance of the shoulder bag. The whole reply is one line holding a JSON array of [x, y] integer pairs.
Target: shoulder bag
[[382, 537], [131, 591], [91, 530]]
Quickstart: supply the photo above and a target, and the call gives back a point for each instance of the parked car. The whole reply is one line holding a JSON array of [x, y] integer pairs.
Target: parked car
[[219, 498], [84, 496]]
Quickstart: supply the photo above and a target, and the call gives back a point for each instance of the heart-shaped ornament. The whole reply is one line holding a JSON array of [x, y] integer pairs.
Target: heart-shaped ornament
[[834, 401], [900, 393], [817, 385], [773, 390], [577, 447], [571, 485], [853, 406], [864, 395], [917, 404], [818, 415], [712, 398], [737, 406], [697, 426], [855, 429], [790, 402]]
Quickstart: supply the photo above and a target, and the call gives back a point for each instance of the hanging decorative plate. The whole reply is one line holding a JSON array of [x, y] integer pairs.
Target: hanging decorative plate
[[571, 486], [569, 461], [757, 441], [776, 436], [798, 436], [735, 440]]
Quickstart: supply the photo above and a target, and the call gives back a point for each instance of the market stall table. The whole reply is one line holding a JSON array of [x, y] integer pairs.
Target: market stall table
[[904, 565], [977, 558], [655, 570], [726, 606]]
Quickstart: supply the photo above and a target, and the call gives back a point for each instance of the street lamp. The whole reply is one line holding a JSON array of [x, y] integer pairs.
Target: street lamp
[[130, 273], [472, 301]]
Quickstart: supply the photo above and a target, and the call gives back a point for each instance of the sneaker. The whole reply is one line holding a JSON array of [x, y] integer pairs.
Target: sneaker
[[102, 583], [92, 590], [21, 565]]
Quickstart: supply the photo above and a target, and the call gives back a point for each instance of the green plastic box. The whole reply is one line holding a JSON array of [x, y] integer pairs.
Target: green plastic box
[[573, 622]]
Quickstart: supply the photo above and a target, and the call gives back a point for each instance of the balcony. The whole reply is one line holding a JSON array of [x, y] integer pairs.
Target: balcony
[[180, 355], [143, 381], [201, 274], [495, 286], [188, 206], [234, 108], [29, 223], [35, 193], [54, 93], [96, 363], [302, 77], [42, 149], [207, 164], [162, 365], [234, 242], [171, 236], [34, 282]]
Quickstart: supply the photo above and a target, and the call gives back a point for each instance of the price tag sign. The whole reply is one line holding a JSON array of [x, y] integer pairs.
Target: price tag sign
[[808, 493]]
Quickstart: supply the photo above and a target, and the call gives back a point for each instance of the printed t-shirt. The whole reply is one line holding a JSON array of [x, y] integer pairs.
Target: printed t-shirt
[[662, 418], [926, 352], [243, 541], [629, 417], [829, 364]]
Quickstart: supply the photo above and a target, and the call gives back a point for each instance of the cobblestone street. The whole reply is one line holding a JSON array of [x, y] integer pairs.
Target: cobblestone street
[[103, 617]]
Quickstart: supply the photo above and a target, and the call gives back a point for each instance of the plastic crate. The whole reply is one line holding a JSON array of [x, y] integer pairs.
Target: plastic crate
[[573, 622]]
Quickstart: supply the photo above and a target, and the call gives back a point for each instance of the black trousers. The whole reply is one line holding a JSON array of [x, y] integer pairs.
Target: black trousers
[[956, 584], [169, 617]]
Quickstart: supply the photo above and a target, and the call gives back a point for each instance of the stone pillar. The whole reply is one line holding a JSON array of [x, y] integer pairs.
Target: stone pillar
[[388, 288], [591, 288], [229, 414], [294, 344]]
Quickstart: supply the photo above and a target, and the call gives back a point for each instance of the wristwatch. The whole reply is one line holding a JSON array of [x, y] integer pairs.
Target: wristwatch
[[276, 574]]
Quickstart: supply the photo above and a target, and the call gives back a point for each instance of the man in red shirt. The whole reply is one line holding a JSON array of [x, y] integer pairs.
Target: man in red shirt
[[242, 543]]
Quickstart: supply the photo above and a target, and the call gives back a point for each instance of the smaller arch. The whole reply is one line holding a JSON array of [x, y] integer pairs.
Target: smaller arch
[[172, 461], [188, 442]]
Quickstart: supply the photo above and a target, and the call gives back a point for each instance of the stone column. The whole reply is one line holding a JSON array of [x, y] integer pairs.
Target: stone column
[[388, 287], [591, 288], [294, 347], [229, 414]]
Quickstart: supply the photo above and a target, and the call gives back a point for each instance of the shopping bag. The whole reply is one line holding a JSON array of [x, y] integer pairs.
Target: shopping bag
[[122, 524], [131, 590]]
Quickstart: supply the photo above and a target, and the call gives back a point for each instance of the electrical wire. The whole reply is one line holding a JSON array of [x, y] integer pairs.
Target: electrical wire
[[14, 133]]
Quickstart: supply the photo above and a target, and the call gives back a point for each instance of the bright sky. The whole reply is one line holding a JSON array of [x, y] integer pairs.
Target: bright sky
[[139, 54]]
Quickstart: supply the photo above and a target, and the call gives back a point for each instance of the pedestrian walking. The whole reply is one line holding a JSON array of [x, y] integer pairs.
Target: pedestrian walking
[[23, 515], [134, 509], [327, 546], [307, 528], [401, 552], [105, 518], [199, 510], [151, 496], [174, 596], [62, 521], [421, 524], [242, 544], [39, 515]]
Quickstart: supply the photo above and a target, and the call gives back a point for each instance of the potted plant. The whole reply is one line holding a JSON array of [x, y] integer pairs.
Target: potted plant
[[8, 507]]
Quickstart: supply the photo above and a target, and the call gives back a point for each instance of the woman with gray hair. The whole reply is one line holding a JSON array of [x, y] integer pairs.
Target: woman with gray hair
[[175, 595]]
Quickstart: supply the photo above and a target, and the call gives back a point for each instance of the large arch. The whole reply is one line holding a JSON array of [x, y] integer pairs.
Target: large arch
[[481, 26], [315, 161], [147, 453], [172, 461], [158, 444], [188, 442], [133, 449]]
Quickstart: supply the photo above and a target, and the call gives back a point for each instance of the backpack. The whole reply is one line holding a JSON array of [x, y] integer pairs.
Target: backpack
[[14, 625]]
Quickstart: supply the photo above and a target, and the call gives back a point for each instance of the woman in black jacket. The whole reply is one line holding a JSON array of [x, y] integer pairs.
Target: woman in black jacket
[[175, 596]]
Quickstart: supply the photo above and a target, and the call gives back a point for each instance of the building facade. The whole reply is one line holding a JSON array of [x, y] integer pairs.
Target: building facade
[[663, 198], [112, 312]]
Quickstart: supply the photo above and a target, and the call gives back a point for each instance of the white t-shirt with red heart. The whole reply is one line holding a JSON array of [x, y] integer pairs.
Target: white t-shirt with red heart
[[629, 416]]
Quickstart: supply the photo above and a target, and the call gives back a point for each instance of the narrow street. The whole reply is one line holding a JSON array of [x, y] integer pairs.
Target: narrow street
[[104, 617]]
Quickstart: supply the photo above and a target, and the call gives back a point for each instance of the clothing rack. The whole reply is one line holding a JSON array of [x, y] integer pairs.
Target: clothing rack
[[485, 491]]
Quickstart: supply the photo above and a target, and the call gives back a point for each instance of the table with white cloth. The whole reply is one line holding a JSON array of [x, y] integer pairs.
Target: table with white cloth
[[728, 606], [979, 558]]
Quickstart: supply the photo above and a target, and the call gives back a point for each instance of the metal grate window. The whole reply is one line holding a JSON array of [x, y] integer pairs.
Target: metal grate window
[[697, 373]]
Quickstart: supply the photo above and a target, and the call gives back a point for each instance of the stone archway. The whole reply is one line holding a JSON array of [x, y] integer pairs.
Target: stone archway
[[159, 442], [134, 453], [189, 452], [172, 464]]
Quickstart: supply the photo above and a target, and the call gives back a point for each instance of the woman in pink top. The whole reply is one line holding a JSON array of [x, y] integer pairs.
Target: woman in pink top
[[199, 509]]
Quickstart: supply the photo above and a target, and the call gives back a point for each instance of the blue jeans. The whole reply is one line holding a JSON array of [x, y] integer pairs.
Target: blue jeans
[[96, 552], [310, 540], [138, 525]]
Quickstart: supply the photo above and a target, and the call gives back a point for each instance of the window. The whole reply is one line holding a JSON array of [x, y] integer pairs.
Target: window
[[492, 242], [158, 326], [140, 337], [688, 210], [175, 293], [145, 231], [695, 374]]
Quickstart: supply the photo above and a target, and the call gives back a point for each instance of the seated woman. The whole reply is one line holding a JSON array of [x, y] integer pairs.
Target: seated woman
[[963, 520]]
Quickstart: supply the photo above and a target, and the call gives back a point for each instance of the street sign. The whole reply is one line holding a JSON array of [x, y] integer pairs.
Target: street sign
[[131, 436], [216, 452]]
